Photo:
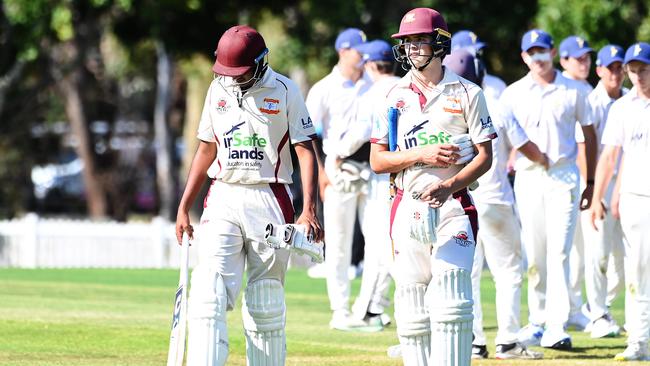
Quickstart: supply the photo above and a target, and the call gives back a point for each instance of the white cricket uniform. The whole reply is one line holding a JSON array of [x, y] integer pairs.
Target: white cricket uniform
[[250, 176], [603, 248], [375, 282], [499, 239], [576, 258], [627, 126], [548, 200], [456, 106], [333, 105]]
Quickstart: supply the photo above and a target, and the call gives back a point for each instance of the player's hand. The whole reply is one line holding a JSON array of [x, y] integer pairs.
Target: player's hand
[[183, 226], [598, 211], [437, 194], [585, 200], [310, 220], [440, 156], [614, 203]]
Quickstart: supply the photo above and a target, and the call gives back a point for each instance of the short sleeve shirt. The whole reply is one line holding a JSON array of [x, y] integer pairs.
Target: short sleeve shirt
[[548, 114], [628, 126], [253, 132], [456, 106]]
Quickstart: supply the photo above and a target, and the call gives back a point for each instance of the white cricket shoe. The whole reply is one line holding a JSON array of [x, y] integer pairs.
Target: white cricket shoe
[[516, 351], [556, 339], [530, 335], [394, 351], [634, 352], [317, 271], [579, 321], [343, 320], [605, 326]]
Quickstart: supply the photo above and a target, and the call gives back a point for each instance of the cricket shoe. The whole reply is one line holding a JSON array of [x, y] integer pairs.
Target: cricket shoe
[[634, 352], [479, 352], [516, 351], [579, 321], [343, 320], [556, 339], [530, 335], [394, 351], [605, 326]]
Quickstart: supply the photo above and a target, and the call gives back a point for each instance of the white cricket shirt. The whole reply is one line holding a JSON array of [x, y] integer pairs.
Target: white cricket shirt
[[548, 115], [252, 138], [628, 126], [456, 107]]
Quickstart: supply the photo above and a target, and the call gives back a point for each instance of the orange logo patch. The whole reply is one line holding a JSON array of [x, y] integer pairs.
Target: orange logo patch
[[452, 105], [271, 106]]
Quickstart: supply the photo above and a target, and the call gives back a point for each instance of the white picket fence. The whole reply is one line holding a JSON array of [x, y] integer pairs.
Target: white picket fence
[[33, 242]]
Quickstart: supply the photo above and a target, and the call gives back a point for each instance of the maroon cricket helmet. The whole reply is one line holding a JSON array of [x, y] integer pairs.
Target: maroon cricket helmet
[[239, 50], [421, 21]]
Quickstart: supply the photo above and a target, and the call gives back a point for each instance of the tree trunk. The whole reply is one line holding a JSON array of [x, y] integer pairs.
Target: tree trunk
[[6, 81], [163, 144]]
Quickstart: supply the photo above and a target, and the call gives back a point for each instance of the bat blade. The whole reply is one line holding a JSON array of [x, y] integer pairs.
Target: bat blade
[[179, 317]]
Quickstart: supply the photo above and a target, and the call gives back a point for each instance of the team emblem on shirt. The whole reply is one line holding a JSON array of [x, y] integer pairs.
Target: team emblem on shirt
[[222, 106], [452, 105], [462, 239], [401, 105], [270, 106]]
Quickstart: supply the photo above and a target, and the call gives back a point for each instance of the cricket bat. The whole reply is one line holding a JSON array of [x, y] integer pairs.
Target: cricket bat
[[179, 318]]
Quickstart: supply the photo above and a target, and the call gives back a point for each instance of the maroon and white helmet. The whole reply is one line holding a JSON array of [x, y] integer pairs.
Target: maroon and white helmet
[[423, 21], [240, 49]]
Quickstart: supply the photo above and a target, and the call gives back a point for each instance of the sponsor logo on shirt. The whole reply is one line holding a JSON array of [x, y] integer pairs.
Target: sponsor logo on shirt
[[306, 124], [462, 239], [243, 147], [270, 106], [222, 106], [452, 105], [486, 123], [413, 138]]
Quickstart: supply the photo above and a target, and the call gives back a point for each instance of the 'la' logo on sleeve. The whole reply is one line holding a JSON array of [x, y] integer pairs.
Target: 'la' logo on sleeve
[[270, 106]]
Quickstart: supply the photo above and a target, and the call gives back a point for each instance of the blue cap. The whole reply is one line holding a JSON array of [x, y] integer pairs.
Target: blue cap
[[377, 50], [466, 39], [609, 54], [536, 38], [638, 52], [349, 38], [574, 46]]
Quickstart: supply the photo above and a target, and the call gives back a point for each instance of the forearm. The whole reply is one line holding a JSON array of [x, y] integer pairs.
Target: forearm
[[591, 150], [384, 161], [581, 160], [308, 174], [474, 169], [205, 155], [532, 152], [605, 171]]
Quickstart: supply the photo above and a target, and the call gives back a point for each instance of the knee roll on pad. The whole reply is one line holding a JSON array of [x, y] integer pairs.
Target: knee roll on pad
[[413, 324], [264, 314], [450, 299], [207, 343]]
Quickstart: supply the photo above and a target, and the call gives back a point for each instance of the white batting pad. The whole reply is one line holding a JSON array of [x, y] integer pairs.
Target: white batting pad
[[413, 324], [450, 299], [293, 237], [208, 335], [263, 313]]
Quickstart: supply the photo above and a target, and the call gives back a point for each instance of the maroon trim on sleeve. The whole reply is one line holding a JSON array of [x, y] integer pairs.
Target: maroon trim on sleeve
[[377, 141], [284, 201], [465, 200]]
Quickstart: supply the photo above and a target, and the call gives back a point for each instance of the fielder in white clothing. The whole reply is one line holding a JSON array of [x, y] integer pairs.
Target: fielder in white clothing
[[251, 115], [604, 247], [628, 132], [499, 234], [547, 105], [333, 105], [442, 123]]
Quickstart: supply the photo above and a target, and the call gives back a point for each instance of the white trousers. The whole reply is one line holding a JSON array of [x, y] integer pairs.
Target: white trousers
[[375, 282], [635, 221], [339, 213], [231, 233], [577, 264], [499, 244], [548, 209], [603, 252]]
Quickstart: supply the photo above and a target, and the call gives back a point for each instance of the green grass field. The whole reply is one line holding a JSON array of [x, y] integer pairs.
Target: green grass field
[[122, 317]]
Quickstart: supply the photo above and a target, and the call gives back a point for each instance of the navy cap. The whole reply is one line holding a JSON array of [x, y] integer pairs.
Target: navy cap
[[349, 38], [461, 61], [638, 52], [536, 38], [574, 46], [609, 54], [466, 39], [377, 50]]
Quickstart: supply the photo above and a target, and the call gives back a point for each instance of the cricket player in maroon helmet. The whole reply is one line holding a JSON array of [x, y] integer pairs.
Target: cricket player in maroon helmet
[[444, 134], [251, 115]]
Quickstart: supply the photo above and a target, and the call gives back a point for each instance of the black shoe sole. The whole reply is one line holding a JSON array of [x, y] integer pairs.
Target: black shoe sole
[[563, 345]]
